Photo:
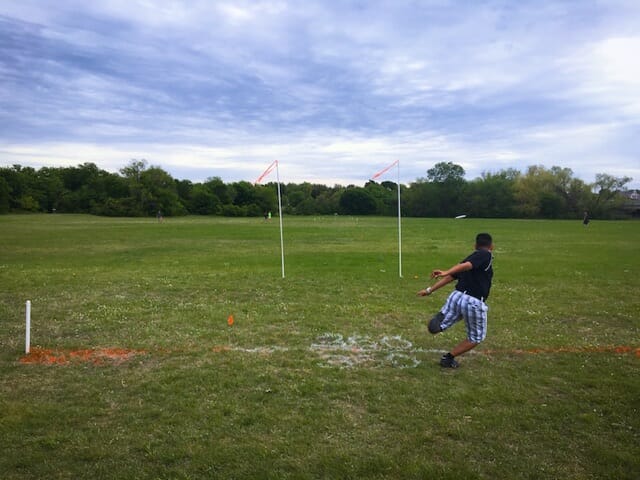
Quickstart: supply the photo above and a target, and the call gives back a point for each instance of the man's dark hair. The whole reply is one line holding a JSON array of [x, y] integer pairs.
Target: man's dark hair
[[483, 240]]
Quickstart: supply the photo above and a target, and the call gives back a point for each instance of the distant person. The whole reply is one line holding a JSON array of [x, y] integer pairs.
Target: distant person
[[474, 275], [585, 219], [266, 216], [159, 216], [269, 215]]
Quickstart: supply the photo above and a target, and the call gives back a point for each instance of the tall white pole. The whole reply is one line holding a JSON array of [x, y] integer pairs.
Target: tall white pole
[[27, 342], [280, 216], [399, 226]]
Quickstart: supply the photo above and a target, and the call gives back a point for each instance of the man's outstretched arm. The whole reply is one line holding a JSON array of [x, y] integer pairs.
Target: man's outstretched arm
[[439, 284]]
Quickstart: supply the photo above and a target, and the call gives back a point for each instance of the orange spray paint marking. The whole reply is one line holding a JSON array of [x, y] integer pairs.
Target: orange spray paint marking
[[594, 349], [98, 356], [230, 320]]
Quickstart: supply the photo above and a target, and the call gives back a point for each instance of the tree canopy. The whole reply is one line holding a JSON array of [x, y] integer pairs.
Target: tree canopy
[[142, 190]]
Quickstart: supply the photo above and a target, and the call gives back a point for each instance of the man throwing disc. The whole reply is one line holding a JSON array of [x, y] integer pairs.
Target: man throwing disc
[[474, 275]]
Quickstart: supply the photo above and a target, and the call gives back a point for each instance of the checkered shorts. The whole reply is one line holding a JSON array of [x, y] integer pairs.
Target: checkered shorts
[[474, 311]]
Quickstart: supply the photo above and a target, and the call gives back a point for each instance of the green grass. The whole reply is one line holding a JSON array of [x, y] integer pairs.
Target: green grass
[[277, 395]]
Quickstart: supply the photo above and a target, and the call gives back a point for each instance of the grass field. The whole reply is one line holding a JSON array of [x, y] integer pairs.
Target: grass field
[[328, 373]]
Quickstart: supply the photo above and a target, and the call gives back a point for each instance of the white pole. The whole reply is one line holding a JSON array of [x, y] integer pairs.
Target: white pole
[[280, 215], [399, 226], [27, 343]]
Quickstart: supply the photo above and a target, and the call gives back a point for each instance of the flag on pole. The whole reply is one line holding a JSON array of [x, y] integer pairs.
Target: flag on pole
[[267, 171], [378, 175], [385, 170], [270, 169]]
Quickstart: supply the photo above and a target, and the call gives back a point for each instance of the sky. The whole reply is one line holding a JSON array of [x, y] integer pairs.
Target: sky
[[334, 90]]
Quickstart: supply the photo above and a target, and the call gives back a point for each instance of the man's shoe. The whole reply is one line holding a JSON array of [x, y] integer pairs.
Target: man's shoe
[[447, 361], [434, 323]]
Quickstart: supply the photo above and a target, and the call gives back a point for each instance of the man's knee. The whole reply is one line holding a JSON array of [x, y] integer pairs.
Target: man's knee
[[434, 323]]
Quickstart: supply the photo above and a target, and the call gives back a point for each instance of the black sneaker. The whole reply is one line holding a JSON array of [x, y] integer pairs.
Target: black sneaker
[[434, 324], [447, 361]]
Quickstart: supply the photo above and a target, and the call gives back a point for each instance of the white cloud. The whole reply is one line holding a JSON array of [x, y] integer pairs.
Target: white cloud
[[608, 75], [333, 90]]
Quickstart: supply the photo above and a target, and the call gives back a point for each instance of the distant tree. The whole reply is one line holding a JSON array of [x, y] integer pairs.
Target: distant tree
[[573, 191], [244, 193], [308, 206], [578, 197], [296, 195], [134, 169], [608, 197], [446, 172], [138, 190], [538, 195], [150, 190], [184, 189], [328, 201], [551, 193], [385, 195], [357, 201], [266, 198], [203, 201], [491, 195], [423, 199], [106, 186], [74, 178], [135, 205], [10, 178], [159, 193], [81, 190], [4, 195], [20, 180], [48, 188], [225, 193], [445, 197]]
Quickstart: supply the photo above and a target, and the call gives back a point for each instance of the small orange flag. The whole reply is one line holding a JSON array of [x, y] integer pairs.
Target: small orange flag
[[230, 320]]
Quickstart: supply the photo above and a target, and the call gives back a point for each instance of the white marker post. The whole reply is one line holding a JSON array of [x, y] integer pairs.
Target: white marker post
[[280, 217], [269, 169], [27, 342], [377, 175]]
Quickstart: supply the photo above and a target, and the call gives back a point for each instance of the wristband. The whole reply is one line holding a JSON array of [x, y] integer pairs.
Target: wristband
[[428, 290]]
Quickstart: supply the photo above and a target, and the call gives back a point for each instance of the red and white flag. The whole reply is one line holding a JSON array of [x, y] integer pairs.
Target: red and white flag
[[269, 169], [384, 170]]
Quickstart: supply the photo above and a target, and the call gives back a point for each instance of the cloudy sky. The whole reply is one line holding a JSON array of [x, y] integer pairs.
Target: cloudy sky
[[335, 90]]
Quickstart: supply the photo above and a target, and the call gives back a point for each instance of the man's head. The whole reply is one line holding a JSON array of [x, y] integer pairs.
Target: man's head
[[484, 240]]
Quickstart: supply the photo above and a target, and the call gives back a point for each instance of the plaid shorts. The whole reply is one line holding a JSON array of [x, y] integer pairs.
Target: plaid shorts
[[474, 311]]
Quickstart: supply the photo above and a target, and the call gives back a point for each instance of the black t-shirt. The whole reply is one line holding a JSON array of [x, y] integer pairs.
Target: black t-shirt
[[477, 281]]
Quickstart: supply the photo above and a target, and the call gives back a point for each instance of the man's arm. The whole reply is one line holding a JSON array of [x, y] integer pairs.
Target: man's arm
[[439, 284], [445, 277], [458, 268]]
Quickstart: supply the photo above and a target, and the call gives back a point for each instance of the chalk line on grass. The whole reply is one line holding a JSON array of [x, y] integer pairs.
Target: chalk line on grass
[[260, 350], [334, 349]]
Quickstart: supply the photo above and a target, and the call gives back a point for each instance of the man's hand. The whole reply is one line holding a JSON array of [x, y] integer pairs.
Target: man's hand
[[456, 269], [438, 274], [423, 293]]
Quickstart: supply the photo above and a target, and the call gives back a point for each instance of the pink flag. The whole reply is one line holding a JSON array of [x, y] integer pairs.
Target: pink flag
[[381, 172], [267, 171]]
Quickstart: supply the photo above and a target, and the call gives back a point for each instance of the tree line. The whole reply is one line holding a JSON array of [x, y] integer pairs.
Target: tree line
[[142, 190]]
